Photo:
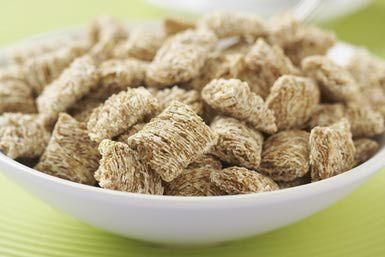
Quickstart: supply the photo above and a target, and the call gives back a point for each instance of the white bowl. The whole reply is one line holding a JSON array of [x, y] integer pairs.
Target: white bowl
[[191, 220]]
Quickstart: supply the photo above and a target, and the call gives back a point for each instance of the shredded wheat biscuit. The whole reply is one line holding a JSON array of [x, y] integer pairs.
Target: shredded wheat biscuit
[[120, 112], [131, 131], [16, 96], [365, 149], [296, 182], [237, 143], [83, 108], [332, 150], [293, 100], [120, 169], [233, 97], [23, 135], [169, 142], [174, 25], [326, 114], [70, 153], [285, 155], [237, 180]]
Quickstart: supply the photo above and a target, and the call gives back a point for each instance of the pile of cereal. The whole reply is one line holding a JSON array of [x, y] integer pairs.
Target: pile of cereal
[[175, 111]]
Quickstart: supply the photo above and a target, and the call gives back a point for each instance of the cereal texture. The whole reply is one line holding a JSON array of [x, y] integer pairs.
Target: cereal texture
[[233, 25], [131, 131], [180, 58], [174, 25], [121, 169], [364, 121], [233, 97], [237, 143], [283, 29], [141, 44], [326, 114], [365, 149], [83, 108], [293, 99], [105, 32], [190, 97], [170, 141], [16, 96], [296, 182], [236, 180], [195, 180], [332, 150], [120, 112], [118, 75], [74, 83], [285, 155], [335, 82], [23, 135], [70, 153]]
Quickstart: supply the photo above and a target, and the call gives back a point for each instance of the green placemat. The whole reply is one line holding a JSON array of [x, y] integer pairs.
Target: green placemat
[[353, 227]]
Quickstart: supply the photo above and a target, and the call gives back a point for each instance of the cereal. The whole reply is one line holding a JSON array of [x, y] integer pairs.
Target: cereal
[[285, 155], [237, 143], [206, 160], [16, 96], [332, 150], [121, 169], [190, 97], [170, 141], [105, 32], [23, 135], [283, 29], [83, 108], [233, 97], [118, 75], [293, 100], [141, 44], [335, 82], [326, 114], [120, 112], [74, 83], [365, 149], [70, 153], [233, 25], [180, 58], [296, 182], [363, 120], [236, 180], [175, 25], [131, 131]]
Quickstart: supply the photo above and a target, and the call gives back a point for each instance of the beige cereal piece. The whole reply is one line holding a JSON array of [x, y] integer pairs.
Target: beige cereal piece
[[374, 96], [226, 24], [296, 182], [365, 149], [332, 150], [23, 135], [170, 141], [141, 44], [285, 155], [105, 32], [120, 169], [120, 112], [180, 58], [16, 96], [74, 83], [237, 180], [326, 114], [83, 108], [70, 153], [264, 65], [309, 41], [335, 82], [367, 69], [363, 120], [283, 29], [217, 66], [233, 97], [194, 182], [117, 75], [293, 100], [131, 131], [174, 25], [206, 160], [237, 143], [190, 97]]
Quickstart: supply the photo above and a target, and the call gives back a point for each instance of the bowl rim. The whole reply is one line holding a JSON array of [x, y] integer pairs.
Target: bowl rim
[[366, 169]]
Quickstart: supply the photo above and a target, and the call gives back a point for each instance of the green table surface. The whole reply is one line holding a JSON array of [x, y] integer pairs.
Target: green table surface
[[352, 227]]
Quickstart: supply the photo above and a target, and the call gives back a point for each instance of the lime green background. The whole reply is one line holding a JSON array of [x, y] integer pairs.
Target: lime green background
[[353, 227]]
